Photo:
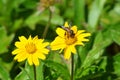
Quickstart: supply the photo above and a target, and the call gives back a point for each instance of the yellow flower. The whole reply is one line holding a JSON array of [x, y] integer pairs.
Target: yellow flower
[[31, 49], [68, 38]]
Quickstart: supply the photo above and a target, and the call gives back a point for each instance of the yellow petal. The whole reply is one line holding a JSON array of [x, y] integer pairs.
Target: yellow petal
[[30, 59], [35, 60], [79, 32], [41, 40], [73, 50], [16, 51], [60, 32], [57, 47], [35, 38], [30, 38], [82, 36], [23, 57], [18, 56], [39, 43], [22, 39], [45, 51], [58, 43], [67, 53], [19, 44], [42, 46], [66, 24], [79, 42], [45, 44], [85, 34], [85, 40], [74, 28], [41, 56]]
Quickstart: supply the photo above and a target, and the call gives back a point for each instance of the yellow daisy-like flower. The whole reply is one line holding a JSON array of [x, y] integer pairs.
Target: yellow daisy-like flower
[[68, 38], [31, 49]]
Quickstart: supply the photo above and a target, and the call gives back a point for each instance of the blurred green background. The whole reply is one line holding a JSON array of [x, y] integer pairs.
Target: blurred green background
[[29, 17]]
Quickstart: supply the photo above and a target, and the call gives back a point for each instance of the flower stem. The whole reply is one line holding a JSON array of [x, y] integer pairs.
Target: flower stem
[[72, 67], [48, 24], [34, 72]]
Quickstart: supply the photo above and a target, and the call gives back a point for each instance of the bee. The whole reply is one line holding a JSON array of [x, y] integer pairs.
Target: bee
[[69, 32]]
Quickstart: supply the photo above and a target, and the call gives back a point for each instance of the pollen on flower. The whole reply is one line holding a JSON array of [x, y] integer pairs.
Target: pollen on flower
[[70, 38], [30, 47]]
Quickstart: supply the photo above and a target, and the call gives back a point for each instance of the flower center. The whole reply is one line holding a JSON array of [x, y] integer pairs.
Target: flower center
[[70, 38], [30, 47]]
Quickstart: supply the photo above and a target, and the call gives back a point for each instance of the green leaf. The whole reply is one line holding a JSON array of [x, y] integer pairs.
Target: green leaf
[[30, 70], [107, 39], [91, 73], [55, 56], [117, 64], [42, 18], [5, 40], [16, 3], [117, 8], [68, 14], [57, 20], [79, 7], [95, 53], [39, 71], [30, 4], [60, 69], [103, 63], [112, 17], [94, 71], [27, 73], [83, 50], [22, 75], [4, 75], [115, 33], [94, 14], [1, 6], [17, 24], [32, 20]]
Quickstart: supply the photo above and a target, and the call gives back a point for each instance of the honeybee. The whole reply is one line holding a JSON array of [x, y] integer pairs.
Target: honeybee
[[69, 32]]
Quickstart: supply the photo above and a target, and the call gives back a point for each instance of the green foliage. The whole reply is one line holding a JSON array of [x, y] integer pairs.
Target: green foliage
[[94, 14], [99, 59], [5, 40], [4, 75], [28, 72], [115, 33], [43, 17], [61, 70], [79, 6], [117, 64]]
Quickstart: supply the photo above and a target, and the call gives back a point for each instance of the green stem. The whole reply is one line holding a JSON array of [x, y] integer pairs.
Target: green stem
[[34, 72], [72, 67], [48, 24]]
